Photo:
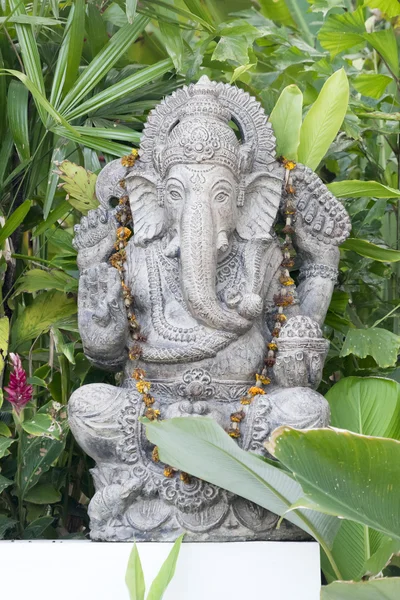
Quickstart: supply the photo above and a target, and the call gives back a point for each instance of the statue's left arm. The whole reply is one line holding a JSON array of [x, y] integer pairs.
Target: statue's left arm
[[321, 224]]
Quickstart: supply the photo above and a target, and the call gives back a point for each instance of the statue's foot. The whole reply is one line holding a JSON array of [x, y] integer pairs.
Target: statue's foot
[[93, 412], [298, 407]]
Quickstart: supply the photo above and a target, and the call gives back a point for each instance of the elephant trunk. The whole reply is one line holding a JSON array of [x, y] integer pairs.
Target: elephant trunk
[[198, 270]]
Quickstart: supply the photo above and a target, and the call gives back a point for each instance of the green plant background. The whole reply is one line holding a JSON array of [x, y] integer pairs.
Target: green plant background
[[77, 81]]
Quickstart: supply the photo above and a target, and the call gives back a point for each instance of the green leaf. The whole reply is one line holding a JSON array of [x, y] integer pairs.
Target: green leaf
[[103, 62], [369, 84], [58, 213], [239, 71], [17, 109], [167, 571], [5, 430], [131, 10], [122, 88], [42, 425], [40, 100], [38, 454], [342, 32], [101, 145], [30, 55], [47, 309], [5, 443], [4, 483], [370, 250], [5, 525], [324, 119], [376, 589], [286, 119], [80, 186], [37, 528], [59, 152], [384, 42], [43, 493], [213, 456], [390, 8], [134, 578], [173, 42], [353, 188], [381, 344], [370, 406], [353, 476], [36, 280], [69, 54], [14, 221], [4, 335], [366, 405]]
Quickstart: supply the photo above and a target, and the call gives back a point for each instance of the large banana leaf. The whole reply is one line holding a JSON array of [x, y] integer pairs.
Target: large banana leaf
[[352, 476], [378, 589], [210, 454]]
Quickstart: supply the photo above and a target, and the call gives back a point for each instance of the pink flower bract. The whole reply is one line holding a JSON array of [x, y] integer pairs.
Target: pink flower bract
[[19, 393]]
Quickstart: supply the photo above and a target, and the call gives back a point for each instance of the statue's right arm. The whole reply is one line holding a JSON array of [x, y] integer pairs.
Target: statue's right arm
[[101, 312]]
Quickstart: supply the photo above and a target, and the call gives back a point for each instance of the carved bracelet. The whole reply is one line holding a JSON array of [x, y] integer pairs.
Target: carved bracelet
[[317, 270]]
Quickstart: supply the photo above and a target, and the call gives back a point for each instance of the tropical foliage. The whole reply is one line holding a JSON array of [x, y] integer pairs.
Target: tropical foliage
[[77, 81]]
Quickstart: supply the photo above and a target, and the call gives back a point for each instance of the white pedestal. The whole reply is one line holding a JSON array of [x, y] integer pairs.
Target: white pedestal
[[80, 570]]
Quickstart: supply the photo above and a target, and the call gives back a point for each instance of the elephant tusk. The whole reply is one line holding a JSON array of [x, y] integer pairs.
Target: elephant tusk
[[222, 242], [173, 248]]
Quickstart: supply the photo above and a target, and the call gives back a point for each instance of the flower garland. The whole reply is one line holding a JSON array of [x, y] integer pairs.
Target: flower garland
[[117, 260], [281, 300]]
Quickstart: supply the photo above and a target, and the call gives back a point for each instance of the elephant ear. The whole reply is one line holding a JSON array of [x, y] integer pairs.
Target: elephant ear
[[147, 214], [262, 196]]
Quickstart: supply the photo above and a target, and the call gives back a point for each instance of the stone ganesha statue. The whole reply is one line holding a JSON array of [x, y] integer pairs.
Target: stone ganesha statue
[[211, 291]]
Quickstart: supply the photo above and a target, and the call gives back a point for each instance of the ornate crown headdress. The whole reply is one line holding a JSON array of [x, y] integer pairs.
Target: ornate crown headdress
[[192, 125], [302, 332]]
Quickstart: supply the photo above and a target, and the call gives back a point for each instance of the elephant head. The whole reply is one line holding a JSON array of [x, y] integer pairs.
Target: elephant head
[[196, 184]]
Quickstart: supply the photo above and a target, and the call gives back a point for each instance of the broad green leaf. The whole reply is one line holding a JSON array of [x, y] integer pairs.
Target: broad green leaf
[[17, 109], [134, 577], [42, 425], [278, 11], [236, 40], [370, 406], [4, 335], [370, 250], [38, 454], [381, 344], [166, 573], [47, 309], [367, 405], [4, 483], [37, 528], [96, 29], [372, 85], [80, 186], [122, 88], [5, 443], [103, 62], [43, 493], [286, 120], [5, 430], [353, 188], [390, 8], [14, 221], [376, 589], [41, 101], [56, 215], [342, 32], [5, 525], [171, 37], [199, 9], [36, 280], [384, 42], [352, 476], [213, 456], [324, 119], [59, 152]]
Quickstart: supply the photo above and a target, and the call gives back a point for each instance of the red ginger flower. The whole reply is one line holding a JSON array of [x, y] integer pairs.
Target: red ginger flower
[[19, 392]]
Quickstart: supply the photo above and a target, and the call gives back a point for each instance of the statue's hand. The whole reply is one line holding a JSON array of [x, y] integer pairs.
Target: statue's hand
[[102, 316], [310, 248], [95, 237]]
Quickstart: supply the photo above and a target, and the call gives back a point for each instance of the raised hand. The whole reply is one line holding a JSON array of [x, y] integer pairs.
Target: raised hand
[[102, 316], [95, 237]]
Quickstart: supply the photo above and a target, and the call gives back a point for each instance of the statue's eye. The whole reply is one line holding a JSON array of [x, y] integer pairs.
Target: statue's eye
[[221, 196], [175, 195]]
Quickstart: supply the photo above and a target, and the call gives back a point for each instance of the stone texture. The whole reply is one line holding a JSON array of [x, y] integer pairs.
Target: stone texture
[[203, 267]]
